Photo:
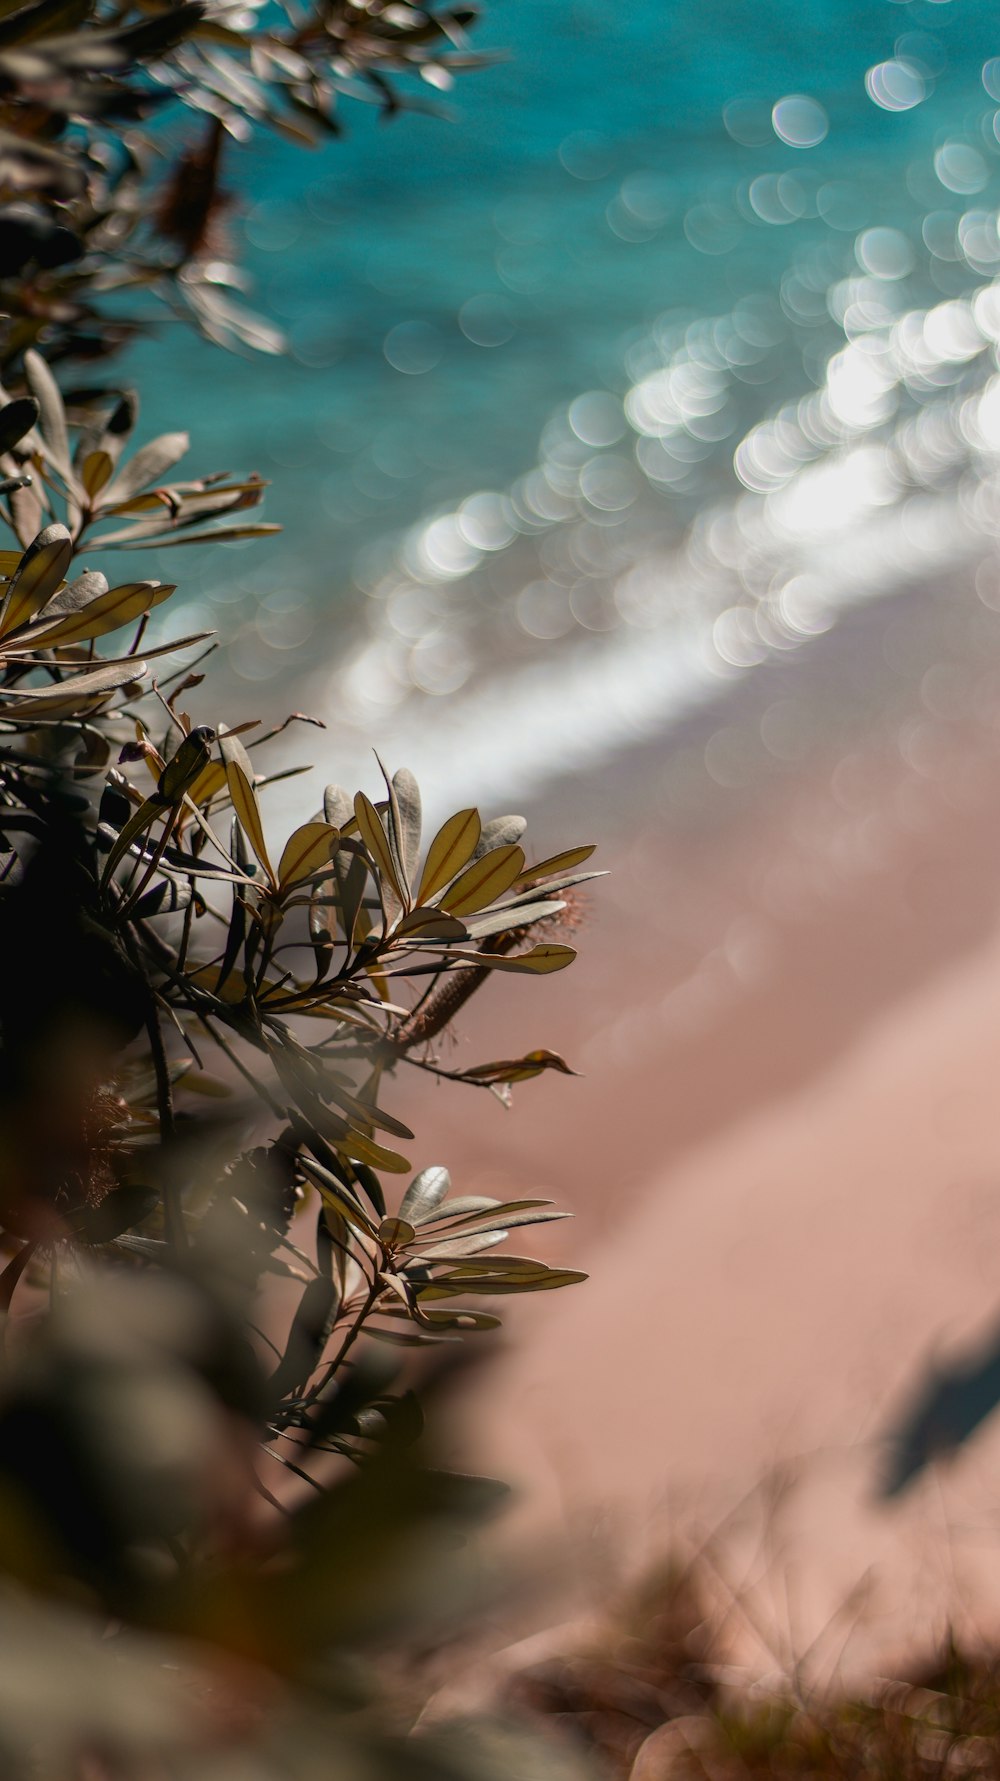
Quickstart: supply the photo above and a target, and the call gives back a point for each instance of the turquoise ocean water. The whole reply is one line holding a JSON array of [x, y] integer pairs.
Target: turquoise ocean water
[[677, 340]]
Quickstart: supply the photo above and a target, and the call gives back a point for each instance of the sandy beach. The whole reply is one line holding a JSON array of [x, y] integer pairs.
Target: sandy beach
[[784, 1161]]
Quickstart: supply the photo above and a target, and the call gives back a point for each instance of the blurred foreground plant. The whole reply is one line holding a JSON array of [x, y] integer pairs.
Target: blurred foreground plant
[[197, 1031], [215, 1491]]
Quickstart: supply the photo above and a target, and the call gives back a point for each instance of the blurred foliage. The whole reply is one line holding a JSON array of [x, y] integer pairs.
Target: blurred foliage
[[218, 1505], [93, 199], [651, 1691]]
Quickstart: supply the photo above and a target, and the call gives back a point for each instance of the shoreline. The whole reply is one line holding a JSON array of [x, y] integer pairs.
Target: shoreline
[[784, 1163]]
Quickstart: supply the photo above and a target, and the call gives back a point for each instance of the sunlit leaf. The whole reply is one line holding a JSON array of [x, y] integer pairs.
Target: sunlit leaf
[[147, 465], [394, 836], [559, 862], [395, 1232], [519, 1069], [377, 843], [539, 961], [458, 1281], [485, 880], [451, 849], [306, 852], [365, 1150], [407, 794], [425, 1194], [74, 693], [95, 472], [240, 779], [338, 807], [108, 612], [207, 535], [230, 986], [51, 412], [209, 782], [337, 1195], [510, 915], [41, 569], [500, 831], [429, 922], [460, 1320], [445, 1249]]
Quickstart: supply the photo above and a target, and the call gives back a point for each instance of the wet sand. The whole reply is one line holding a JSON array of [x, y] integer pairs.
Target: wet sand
[[784, 1159]]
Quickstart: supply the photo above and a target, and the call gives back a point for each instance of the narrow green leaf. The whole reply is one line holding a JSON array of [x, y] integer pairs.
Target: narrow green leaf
[[337, 1196], [365, 1150], [520, 1068], [501, 831], [95, 471], [538, 962], [510, 915], [484, 881], [429, 922], [407, 793], [377, 843], [51, 412], [71, 694], [39, 573], [108, 612], [148, 464], [425, 1194], [240, 779], [138, 540], [394, 836], [559, 862], [395, 1233], [138, 823], [338, 807], [460, 1320], [447, 1249], [306, 852], [451, 849]]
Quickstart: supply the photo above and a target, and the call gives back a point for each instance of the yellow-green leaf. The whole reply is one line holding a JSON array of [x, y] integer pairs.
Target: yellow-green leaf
[[73, 693], [95, 471], [365, 1150], [308, 850], [231, 989], [138, 823], [377, 842], [539, 961], [452, 847], [485, 880], [519, 1069], [51, 411], [39, 573], [559, 862], [109, 612], [239, 777], [209, 781], [186, 765]]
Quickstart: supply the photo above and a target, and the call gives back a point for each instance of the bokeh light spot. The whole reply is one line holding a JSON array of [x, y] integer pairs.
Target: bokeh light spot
[[413, 347], [960, 167], [799, 121], [896, 85], [884, 253]]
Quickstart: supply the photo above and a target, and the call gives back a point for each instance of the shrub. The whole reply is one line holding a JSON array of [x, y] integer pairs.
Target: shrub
[[168, 1606]]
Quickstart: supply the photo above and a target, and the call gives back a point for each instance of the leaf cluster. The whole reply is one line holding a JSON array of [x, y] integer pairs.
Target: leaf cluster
[[213, 1463], [91, 199], [308, 972]]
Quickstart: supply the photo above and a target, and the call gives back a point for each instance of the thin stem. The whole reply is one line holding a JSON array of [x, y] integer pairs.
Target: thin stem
[[333, 1366], [173, 1214]]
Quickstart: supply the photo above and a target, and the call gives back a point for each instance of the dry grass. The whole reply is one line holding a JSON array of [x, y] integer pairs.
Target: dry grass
[[652, 1699]]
